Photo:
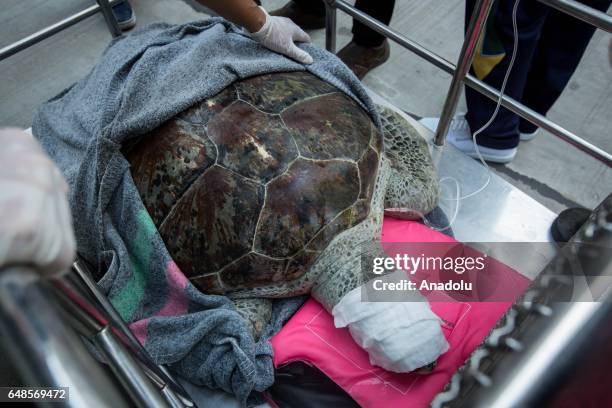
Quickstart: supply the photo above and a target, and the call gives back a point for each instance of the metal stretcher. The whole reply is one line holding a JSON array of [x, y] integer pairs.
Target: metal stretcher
[[44, 321]]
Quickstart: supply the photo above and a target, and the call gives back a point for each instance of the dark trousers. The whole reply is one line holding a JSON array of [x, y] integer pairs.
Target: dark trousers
[[550, 46], [382, 10]]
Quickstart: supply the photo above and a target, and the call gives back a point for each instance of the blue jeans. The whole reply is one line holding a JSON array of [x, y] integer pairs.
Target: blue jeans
[[381, 10], [550, 46]]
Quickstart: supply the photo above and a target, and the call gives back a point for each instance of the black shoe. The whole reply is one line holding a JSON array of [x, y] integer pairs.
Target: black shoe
[[126, 18], [568, 222], [301, 17], [362, 60]]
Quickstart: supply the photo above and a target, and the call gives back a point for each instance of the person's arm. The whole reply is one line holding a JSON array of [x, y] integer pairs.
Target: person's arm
[[35, 221], [276, 33], [244, 13]]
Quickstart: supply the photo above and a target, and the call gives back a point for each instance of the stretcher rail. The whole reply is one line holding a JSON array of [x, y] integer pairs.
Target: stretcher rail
[[581, 12], [158, 373], [103, 6], [43, 347], [39, 320], [461, 74]]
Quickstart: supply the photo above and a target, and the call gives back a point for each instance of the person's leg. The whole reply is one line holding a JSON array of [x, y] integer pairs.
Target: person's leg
[[126, 18], [499, 141], [368, 49], [312, 6], [560, 49], [503, 133], [382, 10], [308, 14]]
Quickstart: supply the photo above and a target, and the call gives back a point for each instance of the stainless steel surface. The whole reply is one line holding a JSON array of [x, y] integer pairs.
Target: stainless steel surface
[[478, 85], [500, 212], [47, 32], [109, 17], [90, 322], [45, 350], [128, 371], [81, 320], [476, 26], [522, 382], [172, 398], [162, 376], [582, 12], [555, 336], [173, 390], [330, 26]]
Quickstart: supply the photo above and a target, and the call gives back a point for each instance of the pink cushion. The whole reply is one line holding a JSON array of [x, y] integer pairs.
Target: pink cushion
[[310, 336]]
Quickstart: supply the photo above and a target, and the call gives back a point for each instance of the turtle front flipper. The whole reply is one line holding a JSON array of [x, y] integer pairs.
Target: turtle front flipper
[[400, 336], [413, 189], [256, 311]]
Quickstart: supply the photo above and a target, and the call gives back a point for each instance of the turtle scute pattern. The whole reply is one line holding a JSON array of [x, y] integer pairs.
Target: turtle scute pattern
[[248, 187], [413, 189]]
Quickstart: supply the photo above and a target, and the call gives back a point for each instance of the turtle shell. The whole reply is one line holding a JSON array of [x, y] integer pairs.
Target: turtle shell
[[248, 187]]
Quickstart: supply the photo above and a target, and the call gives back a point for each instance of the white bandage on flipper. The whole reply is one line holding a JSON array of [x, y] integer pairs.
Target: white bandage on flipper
[[398, 336]]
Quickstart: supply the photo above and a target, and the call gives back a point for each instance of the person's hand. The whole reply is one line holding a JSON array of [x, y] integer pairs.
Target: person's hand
[[35, 222], [280, 34]]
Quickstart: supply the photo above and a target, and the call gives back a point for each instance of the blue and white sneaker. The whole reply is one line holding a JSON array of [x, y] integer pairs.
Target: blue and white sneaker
[[528, 136], [126, 18], [459, 135]]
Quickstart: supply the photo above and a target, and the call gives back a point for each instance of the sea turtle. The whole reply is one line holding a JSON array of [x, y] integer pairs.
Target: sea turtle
[[268, 188]]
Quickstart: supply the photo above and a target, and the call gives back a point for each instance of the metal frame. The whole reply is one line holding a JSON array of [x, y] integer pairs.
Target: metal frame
[[558, 326], [460, 71], [43, 347], [143, 379], [103, 6], [42, 319]]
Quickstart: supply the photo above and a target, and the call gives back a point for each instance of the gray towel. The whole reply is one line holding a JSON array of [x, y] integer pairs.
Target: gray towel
[[143, 80]]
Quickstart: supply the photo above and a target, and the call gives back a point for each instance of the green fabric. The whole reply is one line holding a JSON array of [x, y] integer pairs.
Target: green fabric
[[489, 51], [127, 300]]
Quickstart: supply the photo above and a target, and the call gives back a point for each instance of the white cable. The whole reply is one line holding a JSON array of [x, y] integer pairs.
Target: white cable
[[458, 196], [499, 101]]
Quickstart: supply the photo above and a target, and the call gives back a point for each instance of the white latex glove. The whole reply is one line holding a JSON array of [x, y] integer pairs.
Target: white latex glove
[[280, 34], [35, 222]]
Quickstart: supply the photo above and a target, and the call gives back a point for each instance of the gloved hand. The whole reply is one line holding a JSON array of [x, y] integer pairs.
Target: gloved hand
[[35, 222], [280, 34]]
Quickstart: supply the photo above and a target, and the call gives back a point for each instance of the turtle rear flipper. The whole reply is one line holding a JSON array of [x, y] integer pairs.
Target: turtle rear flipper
[[256, 311], [413, 188]]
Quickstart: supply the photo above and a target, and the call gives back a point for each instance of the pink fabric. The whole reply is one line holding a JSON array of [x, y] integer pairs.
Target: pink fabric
[[310, 336], [176, 304]]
